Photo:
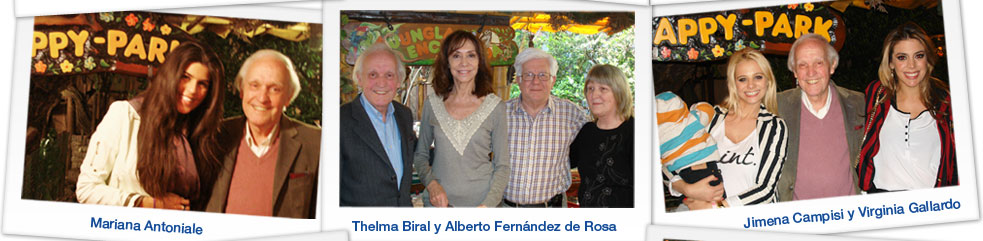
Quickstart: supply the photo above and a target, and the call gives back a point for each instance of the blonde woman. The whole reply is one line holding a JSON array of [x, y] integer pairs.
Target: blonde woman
[[750, 139]]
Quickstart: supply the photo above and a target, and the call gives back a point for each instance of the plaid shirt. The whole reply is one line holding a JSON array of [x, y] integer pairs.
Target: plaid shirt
[[540, 148]]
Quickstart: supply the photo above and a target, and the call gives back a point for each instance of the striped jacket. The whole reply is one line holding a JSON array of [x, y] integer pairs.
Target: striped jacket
[[773, 142], [877, 109]]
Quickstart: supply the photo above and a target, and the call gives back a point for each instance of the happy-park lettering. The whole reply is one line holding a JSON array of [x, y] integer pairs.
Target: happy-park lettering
[[122, 42], [56, 41], [716, 35]]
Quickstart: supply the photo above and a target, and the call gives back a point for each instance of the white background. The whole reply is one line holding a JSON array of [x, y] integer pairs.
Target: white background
[[965, 194], [631, 223], [949, 231], [70, 220]]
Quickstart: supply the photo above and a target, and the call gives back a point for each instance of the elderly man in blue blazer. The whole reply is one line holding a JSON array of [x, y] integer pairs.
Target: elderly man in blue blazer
[[377, 138]]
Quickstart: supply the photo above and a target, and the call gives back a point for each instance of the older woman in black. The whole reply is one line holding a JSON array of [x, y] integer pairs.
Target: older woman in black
[[604, 149]]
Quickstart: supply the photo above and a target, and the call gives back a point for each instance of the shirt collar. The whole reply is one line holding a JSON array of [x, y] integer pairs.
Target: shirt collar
[[821, 112], [372, 111], [546, 109], [269, 137]]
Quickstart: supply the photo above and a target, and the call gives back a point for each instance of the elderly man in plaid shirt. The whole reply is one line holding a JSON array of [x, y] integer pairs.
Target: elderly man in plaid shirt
[[541, 128]]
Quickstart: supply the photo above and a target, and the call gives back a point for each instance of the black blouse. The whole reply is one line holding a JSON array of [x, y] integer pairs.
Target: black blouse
[[607, 165]]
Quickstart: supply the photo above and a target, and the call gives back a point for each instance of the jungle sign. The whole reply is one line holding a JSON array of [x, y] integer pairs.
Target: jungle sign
[[419, 43], [712, 36]]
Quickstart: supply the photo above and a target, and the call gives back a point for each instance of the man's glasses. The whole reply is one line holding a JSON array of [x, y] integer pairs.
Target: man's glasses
[[541, 76]]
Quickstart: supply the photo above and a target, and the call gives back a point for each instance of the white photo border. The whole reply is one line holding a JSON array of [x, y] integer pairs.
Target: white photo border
[[965, 193], [72, 220], [660, 232], [631, 222], [25, 8]]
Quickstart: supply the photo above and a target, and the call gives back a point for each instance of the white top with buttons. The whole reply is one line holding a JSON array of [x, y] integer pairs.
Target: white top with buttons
[[909, 152]]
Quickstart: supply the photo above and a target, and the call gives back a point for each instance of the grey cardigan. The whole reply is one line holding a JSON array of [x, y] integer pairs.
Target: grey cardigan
[[790, 109], [478, 173]]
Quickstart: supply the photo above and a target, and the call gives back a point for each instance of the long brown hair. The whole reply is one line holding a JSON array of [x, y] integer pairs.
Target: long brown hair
[[161, 123], [933, 91], [443, 81]]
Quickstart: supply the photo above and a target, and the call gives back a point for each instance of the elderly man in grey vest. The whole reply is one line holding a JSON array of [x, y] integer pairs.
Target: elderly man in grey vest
[[825, 124]]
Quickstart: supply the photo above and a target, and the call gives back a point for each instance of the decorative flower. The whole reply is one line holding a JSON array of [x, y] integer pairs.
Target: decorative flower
[[40, 67], [90, 63], [131, 20], [106, 17], [692, 53], [147, 25], [164, 29], [793, 6], [66, 67], [717, 51], [666, 53], [739, 45], [809, 7]]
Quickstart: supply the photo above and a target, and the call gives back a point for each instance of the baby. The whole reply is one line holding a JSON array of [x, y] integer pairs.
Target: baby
[[687, 151]]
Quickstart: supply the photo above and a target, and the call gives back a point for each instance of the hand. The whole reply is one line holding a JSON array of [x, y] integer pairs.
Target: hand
[[694, 204], [168, 201], [701, 190], [482, 206], [437, 195], [174, 201]]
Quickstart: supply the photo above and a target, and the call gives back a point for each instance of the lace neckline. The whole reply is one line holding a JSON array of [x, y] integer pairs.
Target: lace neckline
[[460, 131]]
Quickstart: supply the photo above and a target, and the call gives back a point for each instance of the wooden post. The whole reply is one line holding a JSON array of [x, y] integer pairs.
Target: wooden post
[[500, 81]]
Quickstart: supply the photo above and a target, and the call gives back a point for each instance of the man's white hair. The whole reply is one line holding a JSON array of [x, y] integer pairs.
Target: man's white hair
[[531, 54], [831, 55], [288, 65], [378, 48]]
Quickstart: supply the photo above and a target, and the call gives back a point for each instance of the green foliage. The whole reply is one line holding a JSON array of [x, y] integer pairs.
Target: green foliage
[[44, 179], [577, 53]]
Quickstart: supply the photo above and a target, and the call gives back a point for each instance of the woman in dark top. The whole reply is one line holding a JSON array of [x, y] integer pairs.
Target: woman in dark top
[[604, 148]]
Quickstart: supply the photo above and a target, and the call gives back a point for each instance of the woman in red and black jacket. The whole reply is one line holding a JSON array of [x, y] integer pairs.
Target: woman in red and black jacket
[[908, 142]]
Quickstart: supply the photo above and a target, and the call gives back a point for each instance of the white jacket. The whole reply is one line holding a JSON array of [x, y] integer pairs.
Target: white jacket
[[108, 173]]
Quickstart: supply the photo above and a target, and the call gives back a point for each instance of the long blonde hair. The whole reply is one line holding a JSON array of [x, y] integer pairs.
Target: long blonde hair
[[748, 54]]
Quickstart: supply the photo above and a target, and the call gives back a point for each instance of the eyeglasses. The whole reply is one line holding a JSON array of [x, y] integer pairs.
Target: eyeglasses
[[541, 76]]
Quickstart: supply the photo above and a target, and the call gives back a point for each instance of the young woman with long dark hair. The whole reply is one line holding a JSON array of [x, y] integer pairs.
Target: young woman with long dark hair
[[158, 148]]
